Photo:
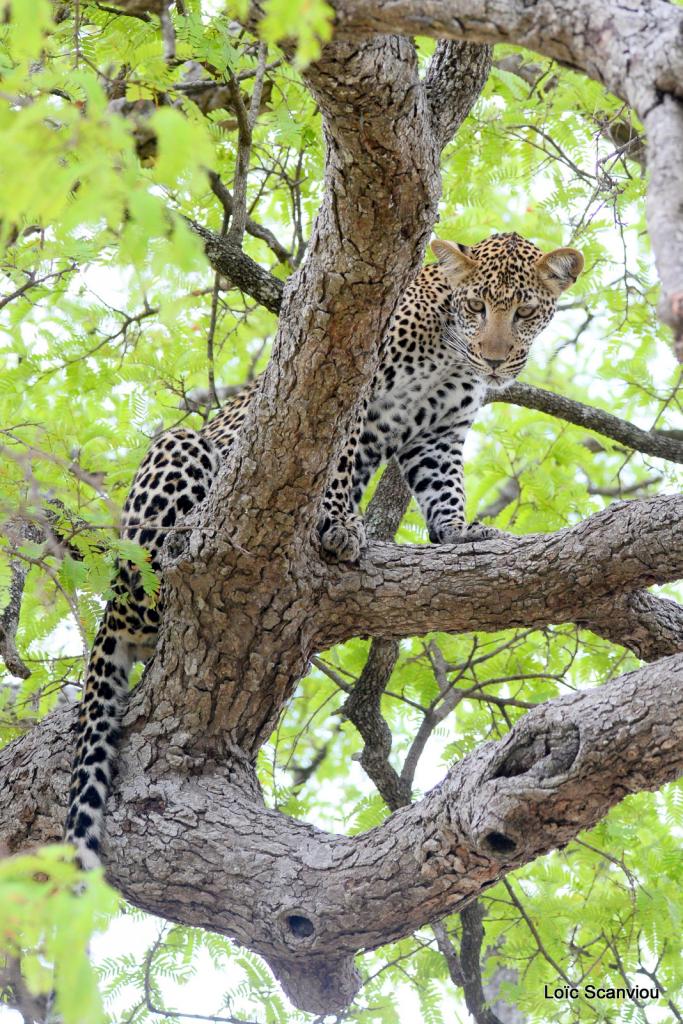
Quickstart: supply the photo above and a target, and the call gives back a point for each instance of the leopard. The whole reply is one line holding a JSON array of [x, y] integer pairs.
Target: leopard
[[466, 324]]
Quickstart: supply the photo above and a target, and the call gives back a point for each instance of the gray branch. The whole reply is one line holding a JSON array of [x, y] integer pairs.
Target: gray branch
[[651, 627], [508, 581], [649, 442], [664, 127], [307, 900], [639, 58], [456, 75], [244, 273], [362, 708], [252, 227], [472, 919], [17, 531]]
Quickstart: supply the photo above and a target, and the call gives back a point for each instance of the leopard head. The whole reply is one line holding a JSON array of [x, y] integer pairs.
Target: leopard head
[[504, 292]]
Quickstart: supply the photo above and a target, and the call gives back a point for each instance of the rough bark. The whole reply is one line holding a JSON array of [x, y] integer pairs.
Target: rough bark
[[635, 50], [242, 272], [651, 627], [249, 599], [664, 127], [507, 581], [382, 185], [470, 960], [195, 844]]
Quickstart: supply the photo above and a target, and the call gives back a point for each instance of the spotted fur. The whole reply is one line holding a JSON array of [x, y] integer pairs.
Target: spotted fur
[[465, 324]]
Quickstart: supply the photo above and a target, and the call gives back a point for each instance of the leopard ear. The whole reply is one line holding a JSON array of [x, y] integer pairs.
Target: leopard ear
[[559, 269], [454, 260]]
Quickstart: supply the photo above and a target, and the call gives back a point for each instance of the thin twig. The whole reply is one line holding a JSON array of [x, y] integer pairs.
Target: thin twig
[[246, 119], [140, 15], [33, 282], [214, 402], [534, 931], [251, 227], [176, 1014]]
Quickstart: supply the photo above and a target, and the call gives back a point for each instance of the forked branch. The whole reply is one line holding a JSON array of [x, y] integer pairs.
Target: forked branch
[[306, 900]]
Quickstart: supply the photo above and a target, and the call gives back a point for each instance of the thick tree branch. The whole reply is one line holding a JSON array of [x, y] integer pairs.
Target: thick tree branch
[[651, 627], [307, 901], [522, 581], [664, 127], [382, 187], [456, 75], [636, 51], [380, 191]]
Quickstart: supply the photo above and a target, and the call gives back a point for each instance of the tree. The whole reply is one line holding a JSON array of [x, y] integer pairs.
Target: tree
[[150, 139]]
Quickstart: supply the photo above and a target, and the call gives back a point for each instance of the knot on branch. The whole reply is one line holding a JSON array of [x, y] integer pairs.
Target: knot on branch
[[499, 843], [297, 927], [318, 985], [447, 851], [489, 823], [176, 547], [535, 759], [547, 752]]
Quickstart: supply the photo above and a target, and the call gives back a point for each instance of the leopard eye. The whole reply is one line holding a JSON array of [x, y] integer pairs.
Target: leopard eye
[[525, 311], [475, 305]]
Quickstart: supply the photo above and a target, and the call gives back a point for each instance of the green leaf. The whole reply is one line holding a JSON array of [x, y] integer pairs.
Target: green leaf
[[184, 149], [308, 21]]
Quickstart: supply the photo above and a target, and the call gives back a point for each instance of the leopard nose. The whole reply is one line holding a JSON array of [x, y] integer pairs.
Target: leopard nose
[[495, 363]]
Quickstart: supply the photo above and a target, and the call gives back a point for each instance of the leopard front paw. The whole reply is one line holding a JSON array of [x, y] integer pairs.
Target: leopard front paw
[[342, 539], [464, 534], [478, 531]]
